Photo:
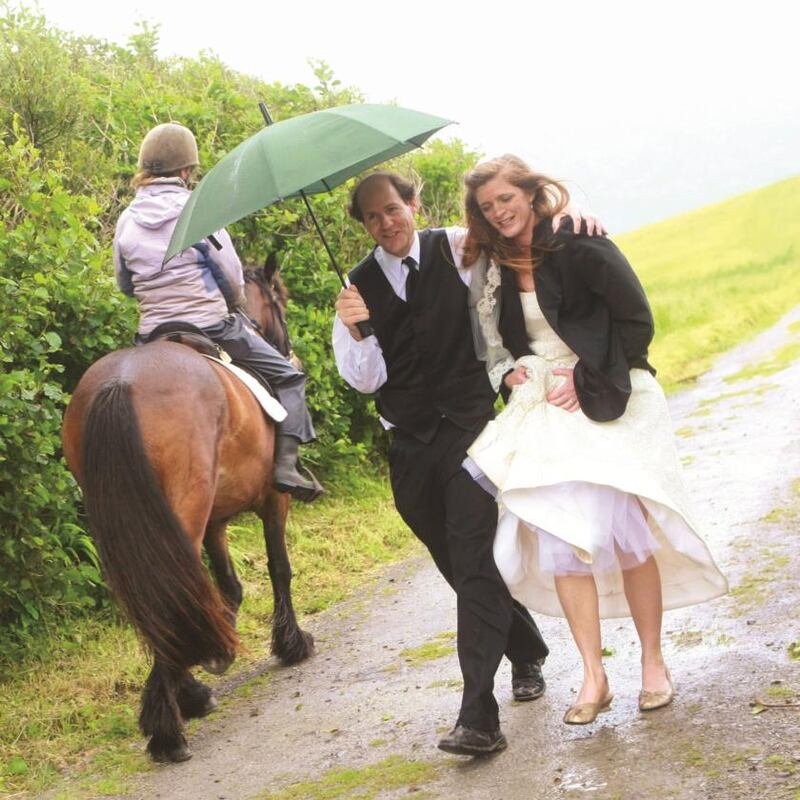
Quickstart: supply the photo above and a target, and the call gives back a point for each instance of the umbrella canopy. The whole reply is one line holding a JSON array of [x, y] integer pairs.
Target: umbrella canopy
[[295, 157]]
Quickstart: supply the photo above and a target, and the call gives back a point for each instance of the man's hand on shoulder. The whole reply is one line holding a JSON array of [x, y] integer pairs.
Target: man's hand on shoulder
[[594, 227], [352, 309]]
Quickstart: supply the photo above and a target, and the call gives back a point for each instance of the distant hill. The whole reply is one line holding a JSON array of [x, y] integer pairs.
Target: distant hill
[[718, 275]]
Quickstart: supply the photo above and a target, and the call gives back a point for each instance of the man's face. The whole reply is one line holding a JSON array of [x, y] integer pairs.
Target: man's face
[[387, 218]]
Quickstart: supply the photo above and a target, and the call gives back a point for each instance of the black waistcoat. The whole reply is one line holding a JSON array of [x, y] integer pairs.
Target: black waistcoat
[[432, 371]]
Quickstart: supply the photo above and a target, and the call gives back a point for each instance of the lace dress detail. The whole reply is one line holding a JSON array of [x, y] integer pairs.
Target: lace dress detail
[[579, 497], [489, 343]]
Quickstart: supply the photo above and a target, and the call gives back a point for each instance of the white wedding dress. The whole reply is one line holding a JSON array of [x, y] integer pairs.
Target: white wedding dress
[[578, 496]]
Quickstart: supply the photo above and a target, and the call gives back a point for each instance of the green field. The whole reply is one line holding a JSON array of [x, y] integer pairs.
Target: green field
[[715, 277], [718, 275]]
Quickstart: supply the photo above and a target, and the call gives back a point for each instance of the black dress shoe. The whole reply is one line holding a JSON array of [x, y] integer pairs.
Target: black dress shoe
[[465, 741], [527, 681]]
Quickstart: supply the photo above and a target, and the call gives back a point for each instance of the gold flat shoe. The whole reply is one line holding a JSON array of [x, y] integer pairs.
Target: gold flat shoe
[[584, 713], [650, 701]]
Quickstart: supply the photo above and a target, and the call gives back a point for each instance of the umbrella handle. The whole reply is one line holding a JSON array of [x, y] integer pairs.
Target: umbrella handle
[[365, 328]]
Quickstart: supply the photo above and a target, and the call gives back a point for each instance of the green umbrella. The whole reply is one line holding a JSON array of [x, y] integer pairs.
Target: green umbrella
[[296, 157]]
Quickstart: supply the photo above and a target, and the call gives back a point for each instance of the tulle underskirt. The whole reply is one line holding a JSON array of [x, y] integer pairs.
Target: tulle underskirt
[[621, 536]]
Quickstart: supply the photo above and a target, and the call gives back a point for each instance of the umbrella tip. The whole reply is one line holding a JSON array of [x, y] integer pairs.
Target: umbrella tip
[[265, 113]]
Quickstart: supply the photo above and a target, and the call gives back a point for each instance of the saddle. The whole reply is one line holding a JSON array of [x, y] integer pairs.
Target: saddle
[[192, 336]]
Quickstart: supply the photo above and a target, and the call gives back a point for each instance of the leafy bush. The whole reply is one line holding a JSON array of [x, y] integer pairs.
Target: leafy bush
[[58, 313]]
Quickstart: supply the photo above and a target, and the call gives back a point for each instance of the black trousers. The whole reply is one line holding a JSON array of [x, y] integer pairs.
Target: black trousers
[[456, 520]]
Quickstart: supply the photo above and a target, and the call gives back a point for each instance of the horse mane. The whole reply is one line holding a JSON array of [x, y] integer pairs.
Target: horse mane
[[269, 280]]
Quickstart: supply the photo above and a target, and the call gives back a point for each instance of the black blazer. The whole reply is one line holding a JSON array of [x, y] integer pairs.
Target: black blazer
[[591, 297]]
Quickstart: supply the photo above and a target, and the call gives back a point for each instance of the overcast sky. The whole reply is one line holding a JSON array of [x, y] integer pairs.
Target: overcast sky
[[646, 108]]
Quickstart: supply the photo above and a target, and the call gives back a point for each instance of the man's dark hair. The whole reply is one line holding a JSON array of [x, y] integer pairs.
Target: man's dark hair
[[406, 188]]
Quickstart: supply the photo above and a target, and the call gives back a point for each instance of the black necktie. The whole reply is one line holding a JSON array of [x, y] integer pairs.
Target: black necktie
[[412, 278]]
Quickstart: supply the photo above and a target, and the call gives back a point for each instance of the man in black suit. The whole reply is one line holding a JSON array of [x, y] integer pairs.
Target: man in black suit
[[434, 394]]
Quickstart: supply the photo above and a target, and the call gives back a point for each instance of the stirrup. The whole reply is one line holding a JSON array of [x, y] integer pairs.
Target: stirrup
[[304, 489]]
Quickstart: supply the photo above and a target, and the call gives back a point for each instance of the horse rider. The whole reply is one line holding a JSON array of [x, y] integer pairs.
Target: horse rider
[[202, 286]]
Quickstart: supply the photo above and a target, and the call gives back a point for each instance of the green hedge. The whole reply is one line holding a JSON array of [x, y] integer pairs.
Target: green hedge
[[58, 313]]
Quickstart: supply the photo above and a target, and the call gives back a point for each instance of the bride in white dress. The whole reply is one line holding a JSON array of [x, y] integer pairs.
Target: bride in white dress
[[593, 521]]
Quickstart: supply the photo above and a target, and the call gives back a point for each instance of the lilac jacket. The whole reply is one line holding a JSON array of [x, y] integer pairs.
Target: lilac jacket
[[195, 286]]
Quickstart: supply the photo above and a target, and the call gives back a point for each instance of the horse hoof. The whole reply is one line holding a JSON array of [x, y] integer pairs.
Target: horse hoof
[[298, 649], [170, 755], [210, 705], [198, 706], [217, 666], [179, 754]]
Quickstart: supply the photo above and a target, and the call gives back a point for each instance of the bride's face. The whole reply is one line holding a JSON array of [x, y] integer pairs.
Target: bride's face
[[507, 208]]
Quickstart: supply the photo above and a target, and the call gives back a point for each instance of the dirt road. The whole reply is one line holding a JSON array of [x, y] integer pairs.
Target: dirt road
[[361, 718]]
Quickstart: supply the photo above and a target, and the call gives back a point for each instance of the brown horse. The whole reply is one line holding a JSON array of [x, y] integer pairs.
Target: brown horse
[[167, 447]]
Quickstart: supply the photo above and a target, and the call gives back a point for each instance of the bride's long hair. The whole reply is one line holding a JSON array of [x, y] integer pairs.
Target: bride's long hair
[[549, 198]]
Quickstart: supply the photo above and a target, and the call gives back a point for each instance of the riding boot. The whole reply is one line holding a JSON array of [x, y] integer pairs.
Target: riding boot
[[285, 476]]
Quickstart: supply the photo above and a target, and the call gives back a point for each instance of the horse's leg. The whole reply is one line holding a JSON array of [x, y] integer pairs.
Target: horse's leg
[[216, 544], [289, 643], [160, 717], [195, 699]]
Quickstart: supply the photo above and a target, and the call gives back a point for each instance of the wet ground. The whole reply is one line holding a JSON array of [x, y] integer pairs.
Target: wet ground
[[361, 718]]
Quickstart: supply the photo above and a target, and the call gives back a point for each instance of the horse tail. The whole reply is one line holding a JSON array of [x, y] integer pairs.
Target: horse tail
[[148, 560]]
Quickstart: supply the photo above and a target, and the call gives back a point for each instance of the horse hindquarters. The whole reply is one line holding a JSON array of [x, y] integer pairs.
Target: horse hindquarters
[[149, 563]]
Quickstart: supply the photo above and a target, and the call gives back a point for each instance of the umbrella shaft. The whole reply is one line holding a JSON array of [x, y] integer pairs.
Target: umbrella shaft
[[365, 328], [324, 240]]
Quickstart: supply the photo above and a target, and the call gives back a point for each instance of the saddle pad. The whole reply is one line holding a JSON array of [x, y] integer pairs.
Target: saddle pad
[[270, 405]]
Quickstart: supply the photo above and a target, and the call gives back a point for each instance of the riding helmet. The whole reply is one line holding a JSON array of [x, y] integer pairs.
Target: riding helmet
[[166, 148]]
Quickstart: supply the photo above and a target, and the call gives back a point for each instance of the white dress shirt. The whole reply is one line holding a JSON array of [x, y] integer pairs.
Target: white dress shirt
[[361, 363]]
